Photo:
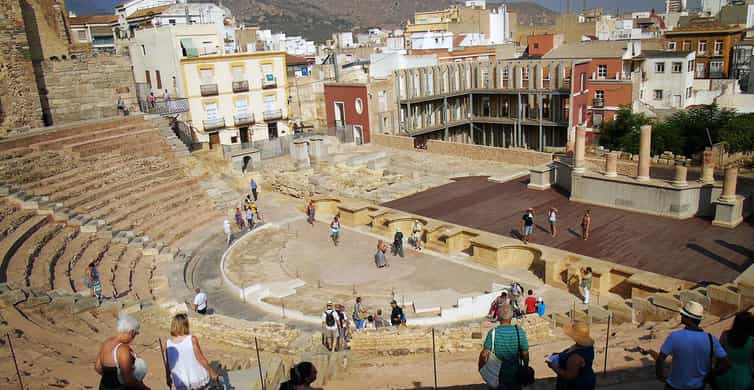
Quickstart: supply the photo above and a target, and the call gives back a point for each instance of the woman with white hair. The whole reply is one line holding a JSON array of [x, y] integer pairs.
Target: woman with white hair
[[117, 363]]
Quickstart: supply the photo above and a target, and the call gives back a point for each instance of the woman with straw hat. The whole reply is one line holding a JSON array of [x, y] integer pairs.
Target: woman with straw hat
[[574, 365]]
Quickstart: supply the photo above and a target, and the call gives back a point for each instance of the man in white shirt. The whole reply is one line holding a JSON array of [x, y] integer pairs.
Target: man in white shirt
[[228, 232], [330, 327], [200, 302]]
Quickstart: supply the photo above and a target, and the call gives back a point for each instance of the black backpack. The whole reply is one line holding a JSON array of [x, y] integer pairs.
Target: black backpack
[[329, 318]]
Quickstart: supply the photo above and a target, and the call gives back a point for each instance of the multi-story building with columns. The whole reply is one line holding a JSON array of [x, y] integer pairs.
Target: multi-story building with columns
[[506, 103]]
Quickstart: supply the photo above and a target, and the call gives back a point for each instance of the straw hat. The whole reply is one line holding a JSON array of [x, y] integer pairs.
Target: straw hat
[[693, 310], [579, 332]]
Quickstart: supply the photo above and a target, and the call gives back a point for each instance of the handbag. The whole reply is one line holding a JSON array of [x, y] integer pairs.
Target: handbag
[[524, 373], [490, 372]]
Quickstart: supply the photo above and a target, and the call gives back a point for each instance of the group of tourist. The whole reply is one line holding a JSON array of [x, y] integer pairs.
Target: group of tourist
[[527, 223], [512, 297], [337, 326], [246, 216], [396, 249]]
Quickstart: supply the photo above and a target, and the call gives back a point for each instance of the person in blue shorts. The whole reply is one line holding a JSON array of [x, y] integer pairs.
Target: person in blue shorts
[[527, 224]]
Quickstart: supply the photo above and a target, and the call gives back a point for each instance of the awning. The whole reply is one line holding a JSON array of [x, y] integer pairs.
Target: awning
[[188, 47]]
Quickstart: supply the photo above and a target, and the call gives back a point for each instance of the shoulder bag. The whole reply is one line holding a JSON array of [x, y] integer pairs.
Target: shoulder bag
[[491, 370], [524, 373]]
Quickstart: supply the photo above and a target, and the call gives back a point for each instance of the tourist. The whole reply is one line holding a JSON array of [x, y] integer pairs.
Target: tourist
[[496, 303], [527, 224], [737, 342], [121, 105], [188, 367], [552, 217], [166, 96], [344, 326], [370, 322], [505, 351], [250, 218], [248, 200], [253, 186], [200, 302], [92, 281], [416, 234], [335, 230], [310, 211], [330, 327], [698, 357], [239, 219], [152, 100], [530, 303], [379, 321], [379, 257], [516, 291], [358, 311], [396, 316], [574, 365], [117, 364], [302, 376], [228, 231], [254, 209], [398, 243], [541, 307], [586, 223], [586, 283]]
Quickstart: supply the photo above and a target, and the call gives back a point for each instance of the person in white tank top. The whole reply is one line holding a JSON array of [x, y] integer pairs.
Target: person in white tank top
[[189, 369]]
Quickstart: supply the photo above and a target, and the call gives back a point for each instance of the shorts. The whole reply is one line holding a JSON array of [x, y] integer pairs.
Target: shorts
[[528, 230], [553, 221], [335, 234], [331, 332], [359, 324]]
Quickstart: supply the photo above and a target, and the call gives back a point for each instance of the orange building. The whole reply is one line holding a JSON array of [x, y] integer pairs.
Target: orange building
[[713, 43], [541, 44]]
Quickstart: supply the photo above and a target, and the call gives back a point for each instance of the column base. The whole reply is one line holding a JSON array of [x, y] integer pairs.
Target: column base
[[611, 174], [729, 214], [679, 183], [642, 178]]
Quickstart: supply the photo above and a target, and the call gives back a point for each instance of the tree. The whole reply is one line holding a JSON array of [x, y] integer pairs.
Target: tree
[[698, 127], [622, 133], [738, 133]]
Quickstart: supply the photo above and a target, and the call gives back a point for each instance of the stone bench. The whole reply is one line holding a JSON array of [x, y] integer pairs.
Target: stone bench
[[498, 252], [643, 284], [355, 213]]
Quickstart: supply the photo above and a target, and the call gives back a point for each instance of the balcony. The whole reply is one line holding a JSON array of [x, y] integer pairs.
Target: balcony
[[214, 123], [241, 86], [271, 115], [243, 119], [269, 81], [208, 89], [598, 103]]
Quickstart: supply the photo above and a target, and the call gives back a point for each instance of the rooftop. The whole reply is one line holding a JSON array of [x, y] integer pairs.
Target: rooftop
[[705, 25], [589, 49], [93, 19], [663, 54], [145, 12]]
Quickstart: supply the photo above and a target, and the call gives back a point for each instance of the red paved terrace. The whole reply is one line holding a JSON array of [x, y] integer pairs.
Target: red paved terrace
[[689, 249]]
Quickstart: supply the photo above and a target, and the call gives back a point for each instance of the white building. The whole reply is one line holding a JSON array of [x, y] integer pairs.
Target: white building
[[382, 65], [500, 29], [127, 8], [667, 79], [431, 40], [344, 40], [712, 7]]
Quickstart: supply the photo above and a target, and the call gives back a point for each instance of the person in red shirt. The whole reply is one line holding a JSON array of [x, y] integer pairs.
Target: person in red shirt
[[530, 303]]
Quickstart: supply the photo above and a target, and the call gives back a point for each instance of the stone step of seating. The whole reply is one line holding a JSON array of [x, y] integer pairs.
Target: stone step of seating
[[130, 195], [113, 143], [44, 267], [60, 143], [61, 277], [124, 272], [27, 256], [55, 132], [10, 245], [176, 221], [142, 274], [93, 192], [129, 206], [13, 220], [154, 212], [94, 252], [77, 174], [106, 266]]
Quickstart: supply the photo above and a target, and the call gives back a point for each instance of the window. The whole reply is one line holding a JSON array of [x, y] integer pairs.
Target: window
[[525, 72], [159, 79], [689, 92], [242, 106], [686, 46], [505, 73], [718, 48], [171, 21], [382, 101], [234, 139], [238, 73], [206, 75], [602, 71], [82, 36], [269, 102], [583, 82], [691, 66], [149, 79], [677, 67], [701, 71], [671, 45], [210, 110], [659, 67], [536, 45], [267, 72], [359, 105], [716, 68], [702, 48], [599, 95], [658, 94]]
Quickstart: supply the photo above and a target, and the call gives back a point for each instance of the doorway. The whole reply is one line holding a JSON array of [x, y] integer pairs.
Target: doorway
[[243, 135], [340, 114], [272, 130], [214, 139], [358, 134]]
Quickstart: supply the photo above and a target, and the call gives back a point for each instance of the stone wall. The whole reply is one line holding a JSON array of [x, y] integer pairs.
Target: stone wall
[[19, 102], [480, 152], [393, 141], [624, 167], [87, 88]]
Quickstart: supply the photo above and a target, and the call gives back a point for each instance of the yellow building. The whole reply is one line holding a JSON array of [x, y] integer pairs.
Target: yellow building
[[238, 98]]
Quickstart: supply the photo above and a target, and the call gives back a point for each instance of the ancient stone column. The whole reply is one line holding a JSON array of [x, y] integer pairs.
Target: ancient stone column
[[680, 176], [579, 149], [708, 167], [300, 153], [729, 185], [317, 149], [611, 164], [645, 144]]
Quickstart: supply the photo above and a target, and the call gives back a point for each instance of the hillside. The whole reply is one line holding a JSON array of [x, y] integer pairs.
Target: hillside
[[91, 7]]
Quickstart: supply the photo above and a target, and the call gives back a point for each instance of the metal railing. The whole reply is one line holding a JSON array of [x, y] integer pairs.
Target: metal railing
[[243, 118], [166, 107], [269, 82], [208, 89], [241, 86], [270, 115], [598, 103], [214, 123]]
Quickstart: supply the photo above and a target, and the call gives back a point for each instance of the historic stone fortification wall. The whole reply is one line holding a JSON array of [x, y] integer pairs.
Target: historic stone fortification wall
[[87, 88], [19, 101], [393, 141], [479, 152]]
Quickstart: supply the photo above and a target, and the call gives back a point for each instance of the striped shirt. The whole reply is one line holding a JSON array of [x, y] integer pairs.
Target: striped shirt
[[506, 347]]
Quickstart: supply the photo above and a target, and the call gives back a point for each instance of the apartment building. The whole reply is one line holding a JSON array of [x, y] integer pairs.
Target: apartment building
[[667, 78], [236, 98], [713, 43], [505, 103], [473, 18], [96, 30]]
